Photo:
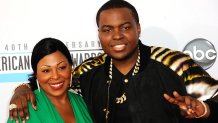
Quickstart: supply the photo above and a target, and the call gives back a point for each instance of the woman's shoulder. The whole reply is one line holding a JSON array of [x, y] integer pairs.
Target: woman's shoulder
[[75, 95], [76, 99], [80, 108]]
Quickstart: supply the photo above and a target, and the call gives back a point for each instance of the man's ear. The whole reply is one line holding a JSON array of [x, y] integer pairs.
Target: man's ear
[[139, 29], [99, 34]]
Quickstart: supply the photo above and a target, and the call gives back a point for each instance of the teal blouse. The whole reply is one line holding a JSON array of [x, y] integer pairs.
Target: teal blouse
[[47, 113]]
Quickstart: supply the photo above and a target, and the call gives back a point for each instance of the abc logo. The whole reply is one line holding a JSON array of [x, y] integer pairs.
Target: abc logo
[[202, 52]]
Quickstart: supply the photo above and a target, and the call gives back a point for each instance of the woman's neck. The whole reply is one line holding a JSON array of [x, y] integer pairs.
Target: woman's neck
[[64, 108], [62, 99]]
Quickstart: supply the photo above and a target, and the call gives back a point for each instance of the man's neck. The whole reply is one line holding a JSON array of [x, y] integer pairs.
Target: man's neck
[[124, 66]]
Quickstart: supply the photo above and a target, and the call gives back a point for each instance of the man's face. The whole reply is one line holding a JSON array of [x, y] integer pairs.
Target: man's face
[[118, 33]]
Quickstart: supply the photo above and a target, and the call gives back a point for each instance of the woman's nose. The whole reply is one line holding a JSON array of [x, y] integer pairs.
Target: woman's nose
[[55, 74]]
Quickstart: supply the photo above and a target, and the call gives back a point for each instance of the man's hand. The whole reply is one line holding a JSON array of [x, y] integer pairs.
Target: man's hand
[[189, 106], [20, 98]]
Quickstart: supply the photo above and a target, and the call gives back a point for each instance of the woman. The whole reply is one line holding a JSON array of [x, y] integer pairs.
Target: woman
[[52, 64]]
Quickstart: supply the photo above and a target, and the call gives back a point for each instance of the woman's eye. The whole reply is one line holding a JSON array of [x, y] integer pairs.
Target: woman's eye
[[62, 67], [45, 71]]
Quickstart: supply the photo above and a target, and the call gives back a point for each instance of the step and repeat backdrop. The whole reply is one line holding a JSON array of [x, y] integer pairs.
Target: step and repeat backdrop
[[190, 26]]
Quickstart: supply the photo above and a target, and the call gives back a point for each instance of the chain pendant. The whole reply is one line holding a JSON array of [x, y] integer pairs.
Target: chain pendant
[[120, 100]]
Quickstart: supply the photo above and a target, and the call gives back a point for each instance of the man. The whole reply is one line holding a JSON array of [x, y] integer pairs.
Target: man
[[131, 82]]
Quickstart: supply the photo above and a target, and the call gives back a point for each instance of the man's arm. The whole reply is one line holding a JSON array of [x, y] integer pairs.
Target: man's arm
[[198, 82], [18, 103], [189, 106], [205, 112]]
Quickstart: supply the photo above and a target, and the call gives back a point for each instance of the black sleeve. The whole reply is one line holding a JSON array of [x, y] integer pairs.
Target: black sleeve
[[213, 118], [213, 104]]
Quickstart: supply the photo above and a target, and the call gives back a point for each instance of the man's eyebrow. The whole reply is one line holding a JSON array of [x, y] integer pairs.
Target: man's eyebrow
[[125, 23], [119, 25], [106, 26]]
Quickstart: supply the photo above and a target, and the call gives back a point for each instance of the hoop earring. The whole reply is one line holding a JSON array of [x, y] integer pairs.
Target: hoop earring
[[70, 79], [38, 85]]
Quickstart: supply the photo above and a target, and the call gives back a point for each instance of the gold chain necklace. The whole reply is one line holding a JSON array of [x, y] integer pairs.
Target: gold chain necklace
[[122, 99]]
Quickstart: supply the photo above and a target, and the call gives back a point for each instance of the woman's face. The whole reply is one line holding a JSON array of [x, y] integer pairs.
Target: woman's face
[[54, 74]]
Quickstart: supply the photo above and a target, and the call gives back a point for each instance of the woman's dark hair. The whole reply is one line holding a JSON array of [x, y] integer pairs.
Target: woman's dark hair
[[112, 4], [45, 47]]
